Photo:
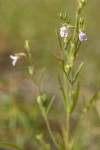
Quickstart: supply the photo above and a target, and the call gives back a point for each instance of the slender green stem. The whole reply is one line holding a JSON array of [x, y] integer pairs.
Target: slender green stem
[[75, 31], [50, 132], [40, 104], [66, 91], [68, 117], [47, 122], [68, 130]]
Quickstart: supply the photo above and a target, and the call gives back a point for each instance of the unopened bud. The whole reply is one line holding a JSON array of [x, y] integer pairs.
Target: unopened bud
[[68, 67], [27, 45], [83, 1], [39, 99], [30, 70]]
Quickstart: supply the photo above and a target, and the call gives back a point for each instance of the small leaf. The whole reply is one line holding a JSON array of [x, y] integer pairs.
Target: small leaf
[[59, 40], [75, 98], [58, 58], [60, 141], [63, 67], [43, 102], [62, 92], [44, 99], [77, 46], [69, 19], [77, 72], [10, 145], [64, 17], [50, 104], [67, 42], [41, 74], [93, 99]]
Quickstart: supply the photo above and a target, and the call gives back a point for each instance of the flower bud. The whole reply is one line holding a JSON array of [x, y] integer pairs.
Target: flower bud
[[27, 45], [39, 137], [82, 1], [39, 99], [81, 5], [63, 32], [82, 36], [31, 70], [67, 68]]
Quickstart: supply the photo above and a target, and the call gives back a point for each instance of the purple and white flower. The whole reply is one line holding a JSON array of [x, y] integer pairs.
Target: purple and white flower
[[63, 32], [16, 57], [82, 36]]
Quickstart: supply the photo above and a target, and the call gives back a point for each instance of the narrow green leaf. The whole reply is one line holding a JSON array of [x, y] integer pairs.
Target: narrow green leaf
[[10, 145], [68, 42], [59, 40], [62, 92], [77, 46], [93, 99], [69, 19], [44, 100], [60, 15], [77, 72], [58, 58], [50, 104], [41, 74], [75, 98], [60, 140], [63, 67]]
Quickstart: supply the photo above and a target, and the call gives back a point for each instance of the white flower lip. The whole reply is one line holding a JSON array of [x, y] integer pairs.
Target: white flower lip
[[14, 59]]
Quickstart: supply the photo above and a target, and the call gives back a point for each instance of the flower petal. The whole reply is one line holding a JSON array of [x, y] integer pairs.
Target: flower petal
[[14, 62], [14, 59]]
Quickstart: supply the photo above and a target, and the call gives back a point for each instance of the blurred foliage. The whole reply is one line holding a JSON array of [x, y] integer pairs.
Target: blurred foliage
[[36, 20]]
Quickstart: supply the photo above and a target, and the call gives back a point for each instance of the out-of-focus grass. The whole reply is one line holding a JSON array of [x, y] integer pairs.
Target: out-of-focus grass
[[36, 20]]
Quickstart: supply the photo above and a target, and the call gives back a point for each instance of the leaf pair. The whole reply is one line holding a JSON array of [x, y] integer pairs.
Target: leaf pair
[[64, 17]]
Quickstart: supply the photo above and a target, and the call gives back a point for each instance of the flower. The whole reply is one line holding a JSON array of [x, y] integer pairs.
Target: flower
[[82, 36], [63, 32], [16, 57]]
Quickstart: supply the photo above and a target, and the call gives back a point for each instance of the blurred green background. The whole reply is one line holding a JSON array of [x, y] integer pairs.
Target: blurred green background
[[36, 21]]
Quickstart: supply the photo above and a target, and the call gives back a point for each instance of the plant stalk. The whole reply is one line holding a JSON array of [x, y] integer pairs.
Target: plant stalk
[[46, 121], [50, 132], [68, 118], [68, 131]]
